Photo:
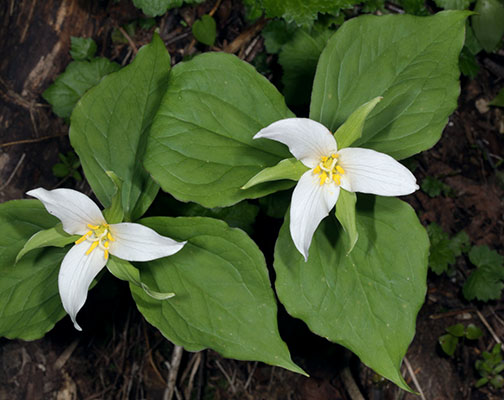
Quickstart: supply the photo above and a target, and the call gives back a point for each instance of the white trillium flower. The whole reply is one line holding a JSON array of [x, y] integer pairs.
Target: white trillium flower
[[352, 169], [81, 216]]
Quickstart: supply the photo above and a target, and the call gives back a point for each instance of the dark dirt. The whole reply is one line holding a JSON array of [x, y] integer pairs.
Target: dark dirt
[[125, 358]]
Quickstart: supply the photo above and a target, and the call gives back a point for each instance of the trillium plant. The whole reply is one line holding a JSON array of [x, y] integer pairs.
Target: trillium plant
[[205, 147]]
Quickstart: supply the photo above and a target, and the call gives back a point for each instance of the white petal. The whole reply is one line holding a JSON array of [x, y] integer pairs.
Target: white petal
[[311, 203], [135, 242], [73, 208], [76, 274], [369, 171], [308, 140]]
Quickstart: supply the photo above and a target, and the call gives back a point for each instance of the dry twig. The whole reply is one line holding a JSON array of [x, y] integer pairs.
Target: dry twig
[[172, 375], [18, 165], [350, 385], [413, 377]]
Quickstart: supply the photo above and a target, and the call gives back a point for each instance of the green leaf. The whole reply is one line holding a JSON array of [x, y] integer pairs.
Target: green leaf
[[110, 124], [70, 86], [434, 187], [60, 170], [277, 33], [473, 332], [482, 255], [443, 250], [414, 7], [392, 56], [200, 146], [487, 23], [481, 382], [125, 271], [223, 298], [351, 130], [54, 236], [241, 215], [453, 4], [298, 59], [457, 330], [82, 48], [205, 30], [303, 12], [448, 343], [345, 213], [484, 283], [115, 213], [441, 254], [29, 298], [290, 168], [153, 8], [368, 300], [498, 100]]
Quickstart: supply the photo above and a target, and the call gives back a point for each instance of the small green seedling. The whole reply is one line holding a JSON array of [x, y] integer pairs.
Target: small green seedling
[[68, 167], [489, 367], [445, 250], [450, 340], [434, 187]]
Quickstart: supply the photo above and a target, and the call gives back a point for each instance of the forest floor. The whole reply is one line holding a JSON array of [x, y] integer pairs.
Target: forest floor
[[126, 358]]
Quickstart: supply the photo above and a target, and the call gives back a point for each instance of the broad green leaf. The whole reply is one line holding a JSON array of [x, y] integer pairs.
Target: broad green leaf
[[70, 86], [200, 146], [488, 23], [290, 168], [242, 215], [453, 4], [115, 213], [223, 298], [368, 300], [205, 30], [154, 8], [345, 213], [411, 61], [298, 59], [109, 128], [351, 130], [82, 48], [29, 298], [52, 237], [303, 12]]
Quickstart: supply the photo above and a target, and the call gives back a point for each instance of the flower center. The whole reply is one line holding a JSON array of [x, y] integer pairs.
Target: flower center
[[329, 170], [99, 236]]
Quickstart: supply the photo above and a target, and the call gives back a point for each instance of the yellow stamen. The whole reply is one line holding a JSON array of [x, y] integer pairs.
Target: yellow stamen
[[337, 179], [83, 237], [93, 227], [105, 254], [334, 155], [323, 178], [109, 237], [316, 170], [91, 248], [324, 158], [340, 170]]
